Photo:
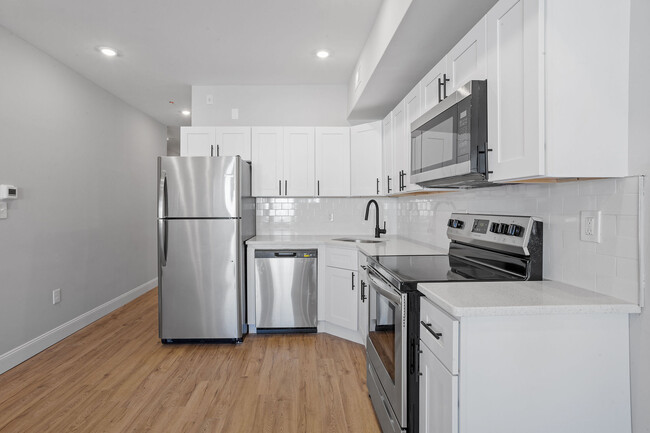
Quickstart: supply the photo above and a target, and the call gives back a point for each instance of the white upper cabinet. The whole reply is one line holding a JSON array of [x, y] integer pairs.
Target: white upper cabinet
[[299, 162], [216, 141], [514, 90], [388, 180], [558, 92], [232, 141], [400, 156], [413, 107], [432, 86], [267, 161], [333, 161], [468, 59], [365, 159], [198, 141]]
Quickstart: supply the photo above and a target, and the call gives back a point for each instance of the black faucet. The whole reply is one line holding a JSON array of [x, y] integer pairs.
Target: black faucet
[[378, 231]]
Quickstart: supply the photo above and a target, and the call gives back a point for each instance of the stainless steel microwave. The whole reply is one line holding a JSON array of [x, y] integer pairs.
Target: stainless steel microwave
[[449, 142]]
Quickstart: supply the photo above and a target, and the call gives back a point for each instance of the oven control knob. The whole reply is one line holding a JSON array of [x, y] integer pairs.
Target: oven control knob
[[494, 228], [450, 223], [515, 230], [503, 229], [457, 224]]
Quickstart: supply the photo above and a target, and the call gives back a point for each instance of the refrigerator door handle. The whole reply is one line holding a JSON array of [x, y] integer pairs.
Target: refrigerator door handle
[[162, 195], [162, 242]]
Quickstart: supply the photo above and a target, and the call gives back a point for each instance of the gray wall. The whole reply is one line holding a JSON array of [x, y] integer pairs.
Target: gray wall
[[84, 164], [640, 164], [270, 105]]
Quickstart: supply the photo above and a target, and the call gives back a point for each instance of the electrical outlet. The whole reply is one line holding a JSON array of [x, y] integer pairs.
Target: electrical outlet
[[3, 210], [590, 226], [56, 296], [331, 217], [234, 113]]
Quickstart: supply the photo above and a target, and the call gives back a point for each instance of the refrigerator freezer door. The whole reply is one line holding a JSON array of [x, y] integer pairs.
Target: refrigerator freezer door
[[199, 279], [199, 187]]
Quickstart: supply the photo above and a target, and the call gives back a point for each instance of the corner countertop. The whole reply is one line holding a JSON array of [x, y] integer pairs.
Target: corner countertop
[[391, 245], [467, 299]]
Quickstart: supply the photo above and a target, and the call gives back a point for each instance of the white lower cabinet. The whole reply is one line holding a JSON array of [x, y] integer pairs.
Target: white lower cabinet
[[551, 372], [438, 395], [342, 288], [342, 297]]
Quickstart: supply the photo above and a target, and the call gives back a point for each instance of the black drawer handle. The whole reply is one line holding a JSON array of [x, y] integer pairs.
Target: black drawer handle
[[435, 334]]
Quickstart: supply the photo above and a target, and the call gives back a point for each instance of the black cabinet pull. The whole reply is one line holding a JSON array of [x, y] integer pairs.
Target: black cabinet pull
[[377, 186], [279, 187], [352, 280], [212, 150], [318, 187], [285, 187], [439, 92], [363, 291], [217, 150], [435, 334], [388, 184]]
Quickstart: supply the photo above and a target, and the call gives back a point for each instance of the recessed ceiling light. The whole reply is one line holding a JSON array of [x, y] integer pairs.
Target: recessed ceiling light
[[107, 51], [322, 54], [185, 112]]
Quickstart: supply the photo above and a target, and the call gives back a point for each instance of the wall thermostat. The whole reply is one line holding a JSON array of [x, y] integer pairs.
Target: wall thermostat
[[8, 191]]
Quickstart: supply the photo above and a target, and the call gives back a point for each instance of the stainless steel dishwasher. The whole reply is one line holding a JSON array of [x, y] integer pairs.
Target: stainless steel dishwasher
[[286, 290]]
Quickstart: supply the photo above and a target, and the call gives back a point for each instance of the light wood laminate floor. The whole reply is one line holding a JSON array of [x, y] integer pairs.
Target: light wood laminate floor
[[116, 376]]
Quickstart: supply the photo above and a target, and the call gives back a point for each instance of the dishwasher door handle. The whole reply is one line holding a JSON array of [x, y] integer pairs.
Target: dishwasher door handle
[[280, 254]]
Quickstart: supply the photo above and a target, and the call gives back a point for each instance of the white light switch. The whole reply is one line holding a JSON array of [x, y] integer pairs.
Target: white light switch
[[235, 113], [590, 226]]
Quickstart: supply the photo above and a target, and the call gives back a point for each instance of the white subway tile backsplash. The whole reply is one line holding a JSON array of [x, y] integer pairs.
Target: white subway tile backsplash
[[609, 267], [590, 265]]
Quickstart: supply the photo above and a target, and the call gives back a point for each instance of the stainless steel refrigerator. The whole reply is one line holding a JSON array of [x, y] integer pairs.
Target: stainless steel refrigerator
[[205, 214]]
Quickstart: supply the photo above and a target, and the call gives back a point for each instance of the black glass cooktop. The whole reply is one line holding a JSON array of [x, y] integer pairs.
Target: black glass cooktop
[[410, 270]]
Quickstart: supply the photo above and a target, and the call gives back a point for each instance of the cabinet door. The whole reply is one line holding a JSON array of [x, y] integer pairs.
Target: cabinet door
[[198, 141], [432, 93], [400, 156], [232, 141], [467, 60], [342, 289], [438, 395], [299, 162], [365, 159], [267, 161], [364, 308], [388, 181], [413, 107], [333, 162], [515, 86]]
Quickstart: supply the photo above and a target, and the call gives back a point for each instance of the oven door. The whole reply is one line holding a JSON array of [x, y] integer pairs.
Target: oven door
[[387, 340]]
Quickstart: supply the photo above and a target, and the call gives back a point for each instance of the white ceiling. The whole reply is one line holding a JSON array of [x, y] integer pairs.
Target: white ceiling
[[166, 46]]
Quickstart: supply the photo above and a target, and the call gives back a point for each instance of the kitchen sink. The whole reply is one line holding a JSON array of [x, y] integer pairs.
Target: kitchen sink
[[360, 240]]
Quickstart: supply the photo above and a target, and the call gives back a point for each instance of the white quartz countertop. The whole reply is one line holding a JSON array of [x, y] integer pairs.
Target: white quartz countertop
[[390, 245], [463, 299]]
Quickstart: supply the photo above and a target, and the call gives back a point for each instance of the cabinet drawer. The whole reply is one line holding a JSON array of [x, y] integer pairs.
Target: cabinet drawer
[[342, 258], [445, 343]]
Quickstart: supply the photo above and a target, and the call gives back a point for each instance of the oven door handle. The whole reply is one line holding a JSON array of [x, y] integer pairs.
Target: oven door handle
[[378, 285]]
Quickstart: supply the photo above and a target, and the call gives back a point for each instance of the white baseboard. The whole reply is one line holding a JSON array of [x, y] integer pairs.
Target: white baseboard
[[25, 351]]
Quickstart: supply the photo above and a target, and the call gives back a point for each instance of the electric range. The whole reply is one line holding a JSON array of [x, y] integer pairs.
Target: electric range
[[482, 248]]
